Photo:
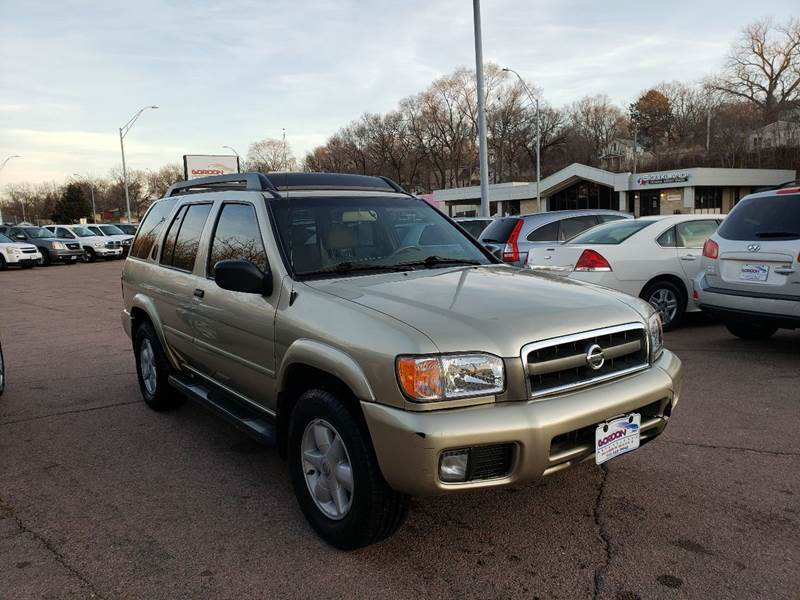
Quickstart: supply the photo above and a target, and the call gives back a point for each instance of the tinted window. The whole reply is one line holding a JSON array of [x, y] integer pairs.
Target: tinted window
[[112, 230], [499, 230], [607, 218], [667, 239], [172, 235], [764, 218], [545, 233], [237, 237], [611, 233], [474, 228], [151, 227], [63, 232], [572, 227], [188, 241], [693, 234]]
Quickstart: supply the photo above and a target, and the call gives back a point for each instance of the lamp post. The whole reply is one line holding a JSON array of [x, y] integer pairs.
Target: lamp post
[[482, 150], [123, 131], [91, 190], [535, 100], [2, 165], [238, 158]]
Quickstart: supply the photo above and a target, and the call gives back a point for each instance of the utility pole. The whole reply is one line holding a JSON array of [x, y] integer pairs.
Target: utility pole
[[283, 160], [123, 131], [635, 148], [535, 101], [482, 150]]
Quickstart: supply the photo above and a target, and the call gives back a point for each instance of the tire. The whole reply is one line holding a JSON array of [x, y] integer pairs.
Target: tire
[[668, 299], [89, 255], [152, 370], [3, 265], [751, 331], [45, 258], [370, 510]]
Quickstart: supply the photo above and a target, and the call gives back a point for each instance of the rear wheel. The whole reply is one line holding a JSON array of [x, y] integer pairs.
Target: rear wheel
[[751, 331], [336, 476], [668, 301], [152, 370]]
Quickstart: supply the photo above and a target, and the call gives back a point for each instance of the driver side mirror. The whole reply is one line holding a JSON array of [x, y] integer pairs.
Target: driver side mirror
[[242, 276], [20, 236]]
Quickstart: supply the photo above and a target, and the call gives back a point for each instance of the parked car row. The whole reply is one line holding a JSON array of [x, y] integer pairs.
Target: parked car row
[[29, 245]]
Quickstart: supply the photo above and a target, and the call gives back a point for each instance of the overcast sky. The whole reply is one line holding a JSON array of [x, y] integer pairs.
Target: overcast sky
[[229, 72]]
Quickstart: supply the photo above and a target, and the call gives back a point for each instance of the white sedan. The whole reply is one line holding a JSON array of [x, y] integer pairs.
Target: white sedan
[[17, 254], [654, 258]]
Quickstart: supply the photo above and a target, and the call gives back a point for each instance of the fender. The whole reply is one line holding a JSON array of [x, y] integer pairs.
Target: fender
[[328, 359], [145, 303]]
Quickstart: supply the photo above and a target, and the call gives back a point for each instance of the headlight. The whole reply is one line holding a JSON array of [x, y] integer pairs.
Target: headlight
[[99, 244], [656, 331], [450, 377], [57, 245]]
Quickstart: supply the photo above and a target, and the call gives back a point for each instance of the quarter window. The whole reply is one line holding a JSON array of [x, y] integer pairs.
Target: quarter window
[[545, 233], [237, 237], [667, 239], [172, 235]]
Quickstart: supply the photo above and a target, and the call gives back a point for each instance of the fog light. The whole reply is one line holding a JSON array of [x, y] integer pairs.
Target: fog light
[[453, 465]]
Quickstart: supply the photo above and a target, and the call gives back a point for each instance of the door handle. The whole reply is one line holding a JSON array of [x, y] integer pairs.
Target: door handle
[[689, 257], [199, 293], [784, 271]]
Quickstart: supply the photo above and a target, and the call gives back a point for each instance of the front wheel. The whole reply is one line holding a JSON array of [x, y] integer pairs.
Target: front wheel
[[336, 476], [668, 301], [751, 331], [45, 258], [89, 255], [3, 265]]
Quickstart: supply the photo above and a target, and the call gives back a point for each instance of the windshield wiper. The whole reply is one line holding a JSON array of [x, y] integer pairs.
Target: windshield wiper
[[435, 261], [773, 234], [353, 267]]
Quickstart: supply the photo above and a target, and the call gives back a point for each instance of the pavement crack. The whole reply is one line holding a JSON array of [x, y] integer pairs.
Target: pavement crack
[[740, 448], [7, 510], [69, 412], [601, 569]]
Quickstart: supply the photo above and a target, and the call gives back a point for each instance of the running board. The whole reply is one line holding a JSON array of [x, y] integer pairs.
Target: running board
[[253, 423]]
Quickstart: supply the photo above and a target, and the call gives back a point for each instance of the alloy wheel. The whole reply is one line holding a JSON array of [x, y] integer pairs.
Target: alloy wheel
[[666, 304], [147, 364], [327, 469]]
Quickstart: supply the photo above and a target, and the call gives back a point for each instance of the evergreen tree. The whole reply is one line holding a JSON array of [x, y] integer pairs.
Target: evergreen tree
[[72, 206]]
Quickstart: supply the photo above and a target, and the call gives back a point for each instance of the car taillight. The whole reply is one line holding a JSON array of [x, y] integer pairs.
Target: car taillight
[[791, 190], [590, 260], [711, 250], [511, 253]]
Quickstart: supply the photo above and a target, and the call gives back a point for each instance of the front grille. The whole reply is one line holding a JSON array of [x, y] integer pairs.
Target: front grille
[[560, 364], [489, 462], [29, 250], [73, 246], [112, 244]]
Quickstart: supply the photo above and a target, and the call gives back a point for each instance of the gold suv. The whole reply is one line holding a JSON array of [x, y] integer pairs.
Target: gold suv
[[382, 349]]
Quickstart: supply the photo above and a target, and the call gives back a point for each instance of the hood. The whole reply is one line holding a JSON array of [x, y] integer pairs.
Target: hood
[[495, 309]]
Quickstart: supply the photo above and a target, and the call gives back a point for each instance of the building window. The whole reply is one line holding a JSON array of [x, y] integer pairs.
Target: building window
[[707, 199], [584, 194]]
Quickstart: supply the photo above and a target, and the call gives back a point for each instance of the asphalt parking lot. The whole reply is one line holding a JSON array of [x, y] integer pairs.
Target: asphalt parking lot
[[101, 497]]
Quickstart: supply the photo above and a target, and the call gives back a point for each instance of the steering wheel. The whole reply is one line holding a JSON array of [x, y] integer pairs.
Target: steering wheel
[[402, 249]]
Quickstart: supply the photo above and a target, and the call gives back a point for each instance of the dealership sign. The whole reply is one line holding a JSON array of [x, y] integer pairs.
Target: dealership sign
[[655, 178], [205, 165]]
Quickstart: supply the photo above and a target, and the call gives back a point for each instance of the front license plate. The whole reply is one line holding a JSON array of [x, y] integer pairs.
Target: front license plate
[[754, 272], [616, 437]]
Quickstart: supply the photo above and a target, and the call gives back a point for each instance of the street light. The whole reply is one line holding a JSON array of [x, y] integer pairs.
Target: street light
[[238, 158], [123, 131], [2, 165], [91, 189], [482, 146], [535, 100]]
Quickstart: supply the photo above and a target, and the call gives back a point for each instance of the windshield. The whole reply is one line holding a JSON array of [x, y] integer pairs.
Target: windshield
[[5, 240], [38, 233], [614, 232], [765, 218], [324, 235], [83, 232], [111, 230]]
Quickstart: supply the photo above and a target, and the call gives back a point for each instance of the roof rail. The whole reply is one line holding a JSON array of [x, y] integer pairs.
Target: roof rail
[[238, 181]]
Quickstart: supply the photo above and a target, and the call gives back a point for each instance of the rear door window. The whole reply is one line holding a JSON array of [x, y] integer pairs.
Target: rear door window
[[151, 227], [693, 234], [764, 218], [499, 230], [545, 233], [187, 240], [573, 226]]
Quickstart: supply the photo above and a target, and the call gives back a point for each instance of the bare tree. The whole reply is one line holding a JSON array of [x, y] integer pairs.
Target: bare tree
[[598, 122], [763, 68], [270, 154]]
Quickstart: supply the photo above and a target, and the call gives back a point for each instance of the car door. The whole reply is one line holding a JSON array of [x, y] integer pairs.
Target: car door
[[234, 331], [689, 238], [175, 282]]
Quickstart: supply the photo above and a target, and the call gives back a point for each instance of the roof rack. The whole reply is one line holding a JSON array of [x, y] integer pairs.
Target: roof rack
[[275, 182]]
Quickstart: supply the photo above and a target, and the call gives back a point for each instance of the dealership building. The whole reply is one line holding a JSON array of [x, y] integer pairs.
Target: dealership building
[[695, 190]]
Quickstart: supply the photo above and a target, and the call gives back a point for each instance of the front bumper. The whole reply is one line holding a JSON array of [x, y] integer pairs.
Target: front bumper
[[23, 259], [108, 252], [65, 255], [408, 444]]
